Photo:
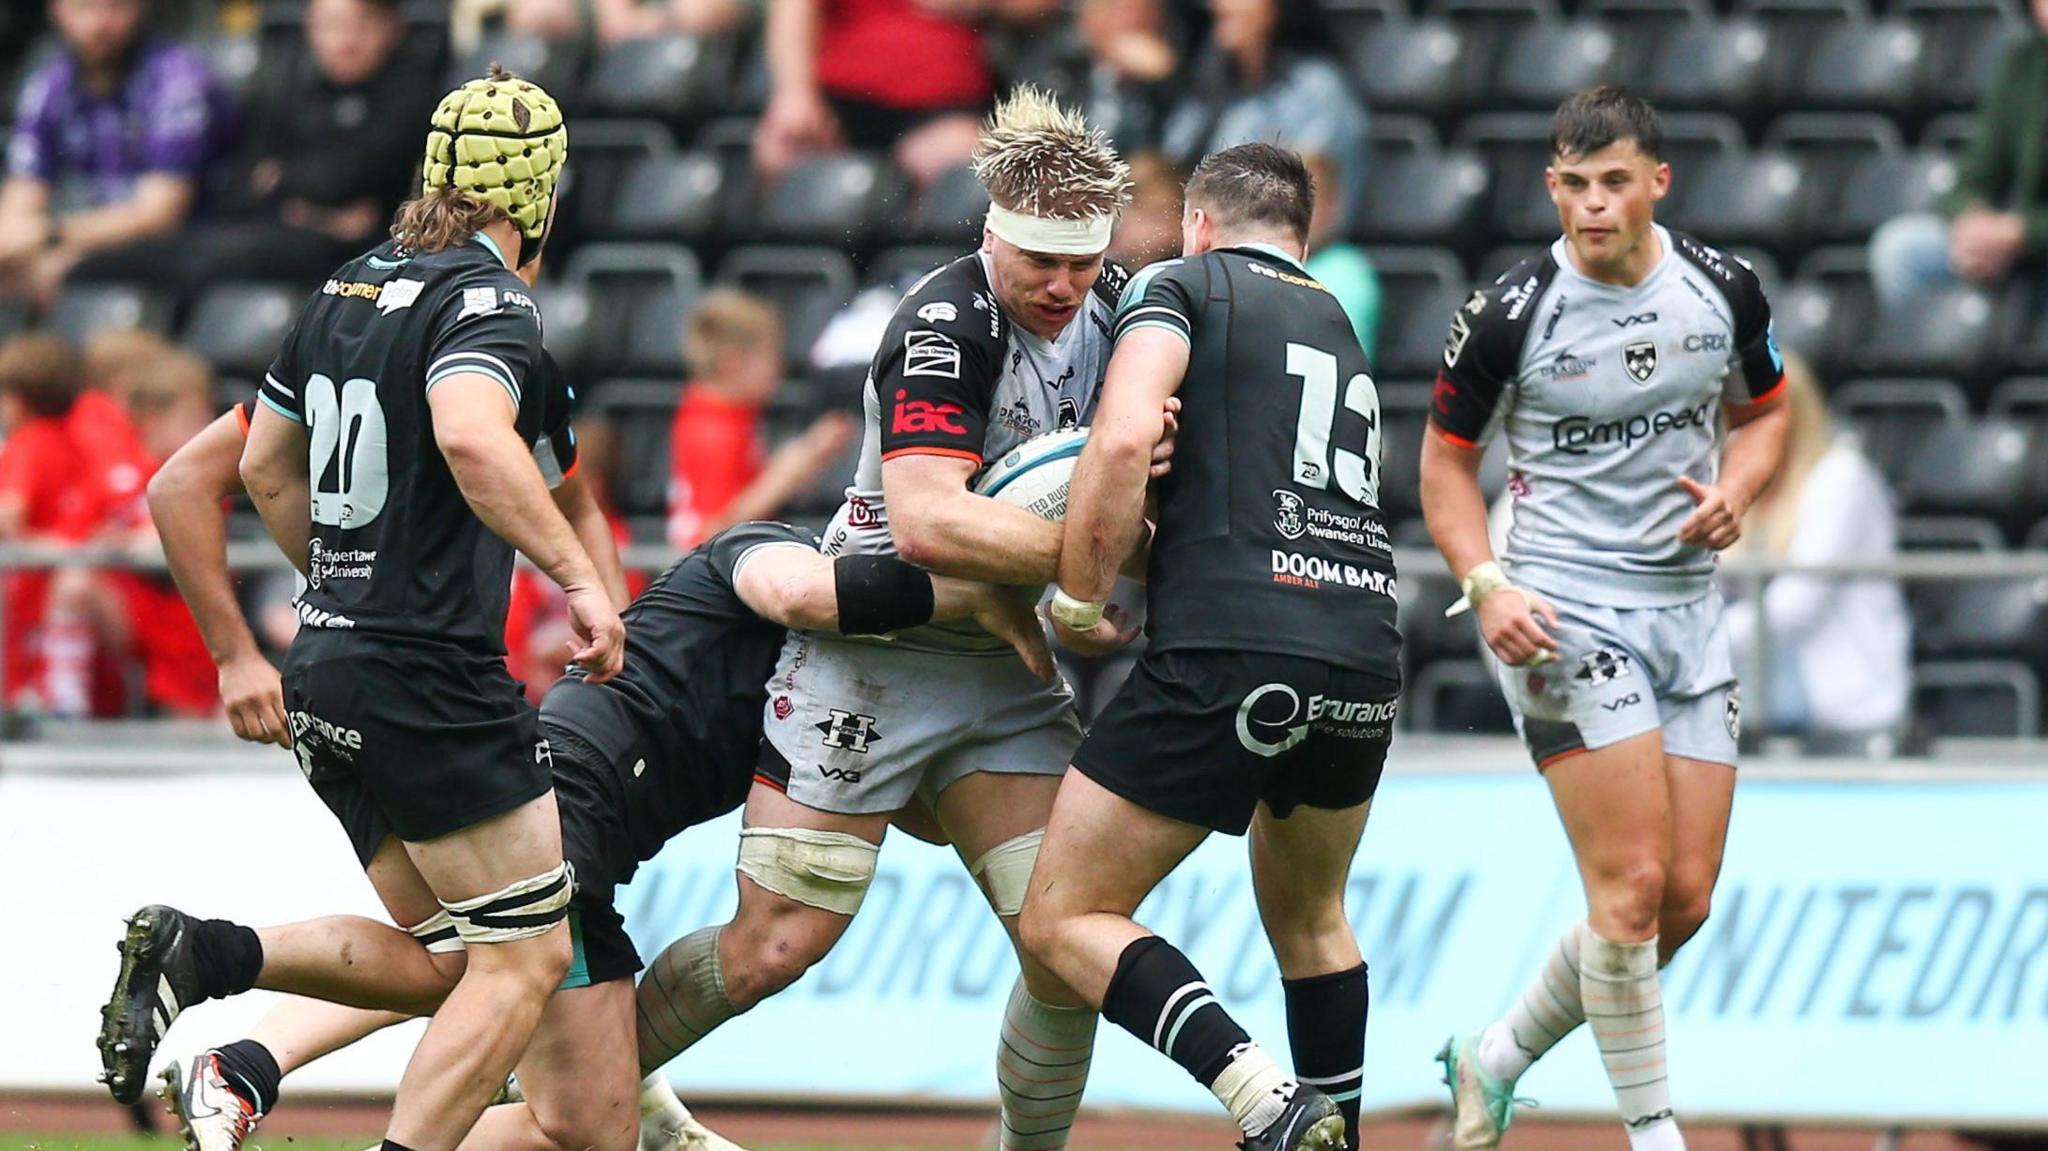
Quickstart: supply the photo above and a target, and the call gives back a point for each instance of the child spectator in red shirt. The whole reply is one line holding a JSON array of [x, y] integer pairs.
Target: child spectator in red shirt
[[716, 475]]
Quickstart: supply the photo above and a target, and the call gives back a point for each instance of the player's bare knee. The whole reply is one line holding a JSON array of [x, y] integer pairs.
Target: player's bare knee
[[1685, 912], [1628, 896], [763, 958], [587, 1121]]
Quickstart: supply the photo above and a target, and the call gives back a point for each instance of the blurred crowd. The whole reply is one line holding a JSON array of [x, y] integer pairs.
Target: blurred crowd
[[141, 153]]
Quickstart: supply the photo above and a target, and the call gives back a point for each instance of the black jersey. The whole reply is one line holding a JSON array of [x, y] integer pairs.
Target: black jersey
[[685, 714], [1270, 536], [396, 553]]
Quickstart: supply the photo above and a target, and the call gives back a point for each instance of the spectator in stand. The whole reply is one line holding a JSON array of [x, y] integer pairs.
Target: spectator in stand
[[1268, 74], [1337, 263], [607, 22], [910, 76], [112, 141], [1839, 650], [716, 478], [1996, 218], [1125, 81], [298, 204], [1149, 229]]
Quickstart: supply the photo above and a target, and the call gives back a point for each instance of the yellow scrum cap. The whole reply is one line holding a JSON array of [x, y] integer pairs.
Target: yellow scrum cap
[[502, 140]]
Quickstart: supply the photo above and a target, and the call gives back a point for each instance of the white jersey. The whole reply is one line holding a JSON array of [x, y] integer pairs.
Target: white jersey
[[955, 377], [1607, 395]]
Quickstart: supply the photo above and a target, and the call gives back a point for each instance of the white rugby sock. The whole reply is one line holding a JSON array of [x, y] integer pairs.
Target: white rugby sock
[[681, 999], [1041, 1067], [1625, 1007], [1548, 1010], [1253, 1088]]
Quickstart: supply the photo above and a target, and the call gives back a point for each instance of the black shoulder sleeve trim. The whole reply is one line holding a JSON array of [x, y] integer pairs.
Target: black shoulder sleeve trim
[[1483, 348]]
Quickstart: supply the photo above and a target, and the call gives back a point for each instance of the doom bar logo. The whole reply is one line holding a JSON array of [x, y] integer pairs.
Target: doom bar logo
[[912, 417]]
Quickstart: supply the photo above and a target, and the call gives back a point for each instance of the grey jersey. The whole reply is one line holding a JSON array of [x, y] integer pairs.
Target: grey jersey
[[1607, 395], [954, 377]]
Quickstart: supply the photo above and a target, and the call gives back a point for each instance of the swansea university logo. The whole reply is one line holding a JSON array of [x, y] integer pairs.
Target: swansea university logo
[[1288, 517]]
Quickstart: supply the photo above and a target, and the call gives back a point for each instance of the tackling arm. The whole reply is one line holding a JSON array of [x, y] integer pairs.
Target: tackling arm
[[1106, 504], [579, 506]]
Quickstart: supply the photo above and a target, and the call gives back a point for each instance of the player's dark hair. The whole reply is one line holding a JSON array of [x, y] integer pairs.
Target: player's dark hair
[[1255, 184], [43, 370], [1592, 118]]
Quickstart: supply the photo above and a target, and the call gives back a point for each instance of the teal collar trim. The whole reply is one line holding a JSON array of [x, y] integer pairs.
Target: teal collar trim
[[1276, 252], [487, 242]]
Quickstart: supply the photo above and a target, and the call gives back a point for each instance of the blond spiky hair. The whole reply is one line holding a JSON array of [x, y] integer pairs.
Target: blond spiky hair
[[1039, 158]]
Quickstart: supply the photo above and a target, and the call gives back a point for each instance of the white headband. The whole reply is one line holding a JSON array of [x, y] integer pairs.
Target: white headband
[[1059, 237]]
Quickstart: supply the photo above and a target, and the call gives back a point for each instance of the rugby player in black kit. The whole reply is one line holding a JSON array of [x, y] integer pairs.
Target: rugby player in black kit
[[392, 462], [1266, 697]]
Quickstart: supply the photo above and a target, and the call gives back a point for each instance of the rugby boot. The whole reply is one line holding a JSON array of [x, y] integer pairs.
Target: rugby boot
[[158, 980], [1482, 1106], [1310, 1122], [667, 1125], [212, 1115]]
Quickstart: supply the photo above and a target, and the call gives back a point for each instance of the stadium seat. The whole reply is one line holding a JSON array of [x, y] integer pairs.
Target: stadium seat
[[639, 295], [548, 63], [1877, 65], [1978, 618], [1815, 320], [806, 285], [951, 210], [1759, 198], [1891, 418], [1709, 65], [1877, 188], [1542, 63], [670, 196], [1426, 634], [1965, 41], [1427, 67], [640, 413], [1398, 135], [1977, 699], [1493, 23], [1432, 198], [1516, 148], [2029, 352], [592, 186], [844, 200], [1638, 22], [2022, 398], [1419, 290], [674, 79], [1951, 332], [565, 324], [239, 327], [1404, 420], [1829, 144], [83, 309], [1977, 468], [1949, 134]]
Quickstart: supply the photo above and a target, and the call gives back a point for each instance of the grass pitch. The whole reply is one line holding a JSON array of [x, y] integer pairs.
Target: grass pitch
[[10, 1141]]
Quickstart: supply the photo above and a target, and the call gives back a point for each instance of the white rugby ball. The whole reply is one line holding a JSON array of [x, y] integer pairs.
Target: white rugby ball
[[1035, 474]]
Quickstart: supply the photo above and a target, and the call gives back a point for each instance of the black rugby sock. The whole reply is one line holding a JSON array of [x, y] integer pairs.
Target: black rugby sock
[[393, 1145], [1158, 996], [1326, 1032], [227, 957], [251, 1072]]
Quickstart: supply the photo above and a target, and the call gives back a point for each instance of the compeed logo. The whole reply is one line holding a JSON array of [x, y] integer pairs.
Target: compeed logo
[[912, 417], [1577, 435]]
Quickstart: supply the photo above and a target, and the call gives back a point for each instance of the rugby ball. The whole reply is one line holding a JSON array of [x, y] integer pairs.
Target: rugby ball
[[1035, 474]]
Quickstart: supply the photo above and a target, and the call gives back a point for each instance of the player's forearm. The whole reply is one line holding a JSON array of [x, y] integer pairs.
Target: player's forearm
[[1454, 507], [195, 541], [1752, 455], [1105, 514], [594, 531], [495, 471], [973, 537]]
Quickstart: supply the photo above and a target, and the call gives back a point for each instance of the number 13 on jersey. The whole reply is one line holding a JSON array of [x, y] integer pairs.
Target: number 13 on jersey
[[1315, 460]]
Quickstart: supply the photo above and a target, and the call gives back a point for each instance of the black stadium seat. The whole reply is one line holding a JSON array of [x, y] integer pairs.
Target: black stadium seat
[[239, 327], [1759, 198], [670, 196], [1953, 332], [605, 151], [1877, 65], [1404, 420], [565, 323], [639, 296], [807, 285], [548, 63], [1717, 65], [1980, 468], [1891, 418], [83, 309], [1966, 39], [1427, 67], [844, 200], [1638, 21], [952, 209], [640, 413], [1516, 149], [1542, 63], [1994, 699], [674, 79], [1427, 198], [1419, 290], [901, 266], [1878, 188]]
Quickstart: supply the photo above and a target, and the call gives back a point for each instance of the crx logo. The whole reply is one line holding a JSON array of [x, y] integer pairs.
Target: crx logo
[[848, 731], [1638, 318]]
